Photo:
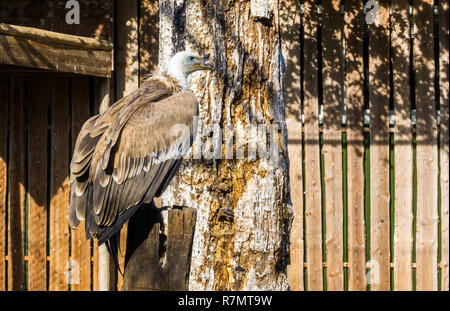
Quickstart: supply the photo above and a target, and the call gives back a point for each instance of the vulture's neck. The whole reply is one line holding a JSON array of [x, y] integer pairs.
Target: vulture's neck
[[177, 74]]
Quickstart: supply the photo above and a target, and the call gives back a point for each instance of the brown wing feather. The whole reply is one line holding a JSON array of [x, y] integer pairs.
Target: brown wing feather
[[122, 164], [146, 133]]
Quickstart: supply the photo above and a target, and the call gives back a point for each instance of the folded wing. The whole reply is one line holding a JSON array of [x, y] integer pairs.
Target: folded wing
[[129, 156]]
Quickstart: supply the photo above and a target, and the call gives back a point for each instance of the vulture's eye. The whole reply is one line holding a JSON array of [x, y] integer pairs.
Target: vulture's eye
[[191, 58]]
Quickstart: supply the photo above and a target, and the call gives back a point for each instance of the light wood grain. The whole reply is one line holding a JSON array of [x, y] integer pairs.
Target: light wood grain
[[59, 186], [427, 157], [379, 149], [353, 30], [290, 34], [403, 162], [313, 207], [444, 102], [332, 148]]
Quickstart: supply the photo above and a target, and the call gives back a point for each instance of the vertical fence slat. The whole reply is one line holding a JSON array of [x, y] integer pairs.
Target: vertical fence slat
[[403, 162], [427, 168], [332, 148], [354, 79], [148, 37], [379, 149], [444, 105], [16, 265], [4, 96], [290, 36], [81, 248], [313, 209], [59, 185], [37, 181]]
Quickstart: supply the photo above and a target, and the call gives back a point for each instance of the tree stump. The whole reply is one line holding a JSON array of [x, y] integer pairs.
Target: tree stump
[[154, 261]]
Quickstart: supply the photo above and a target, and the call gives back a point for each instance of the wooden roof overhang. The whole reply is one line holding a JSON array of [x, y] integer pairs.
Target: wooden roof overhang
[[41, 49]]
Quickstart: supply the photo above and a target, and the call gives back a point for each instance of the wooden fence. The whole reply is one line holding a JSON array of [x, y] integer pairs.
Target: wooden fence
[[40, 117], [368, 121], [368, 126]]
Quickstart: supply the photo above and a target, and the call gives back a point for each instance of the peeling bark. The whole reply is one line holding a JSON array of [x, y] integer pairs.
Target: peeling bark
[[243, 211]]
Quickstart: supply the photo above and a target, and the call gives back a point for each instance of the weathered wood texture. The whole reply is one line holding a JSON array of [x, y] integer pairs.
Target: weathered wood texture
[[244, 214], [4, 99], [427, 151], [96, 17], [81, 248], [313, 207], [38, 107], [17, 184], [37, 175], [31, 53], [290, 38], [354, 79], [379, 149], [444, 105], [403, 159], [55, 37], [148, 37], [156, 261], [59, 185], [332, 49]]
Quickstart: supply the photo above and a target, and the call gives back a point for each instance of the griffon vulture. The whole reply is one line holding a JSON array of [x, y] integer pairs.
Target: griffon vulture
[[128, 155]]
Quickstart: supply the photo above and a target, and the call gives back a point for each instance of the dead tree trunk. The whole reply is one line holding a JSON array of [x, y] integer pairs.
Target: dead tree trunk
[[244, 216]]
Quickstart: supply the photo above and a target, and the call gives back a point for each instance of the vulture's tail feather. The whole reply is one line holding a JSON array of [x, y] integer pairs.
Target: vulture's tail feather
[[104, 233], [111, 235], [112, 245]]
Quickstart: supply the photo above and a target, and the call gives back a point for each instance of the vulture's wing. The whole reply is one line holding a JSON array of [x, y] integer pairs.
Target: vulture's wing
[[133, 160]]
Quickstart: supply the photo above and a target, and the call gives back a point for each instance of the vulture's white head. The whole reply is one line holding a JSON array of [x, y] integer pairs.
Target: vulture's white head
[[182, 64]]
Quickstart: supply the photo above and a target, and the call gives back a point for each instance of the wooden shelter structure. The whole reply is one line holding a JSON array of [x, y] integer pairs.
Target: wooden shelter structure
[[53, 77]]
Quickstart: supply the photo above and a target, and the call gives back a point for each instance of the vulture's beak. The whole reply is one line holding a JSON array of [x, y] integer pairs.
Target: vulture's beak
[[207, 64]]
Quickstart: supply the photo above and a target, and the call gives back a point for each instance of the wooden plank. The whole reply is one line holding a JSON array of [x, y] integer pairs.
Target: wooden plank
[[290, 38], [4, 97], [81, 248], [127, 48], [444, 106], [55, 37], [148, 37], [17, 183], [145, 268], [313, 208], [31, 53], [96, 17], [427, 167], [59, 185], [332, 148], [403, 162], [38, 104], [353, 30], [379, 150], [95, 267]]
